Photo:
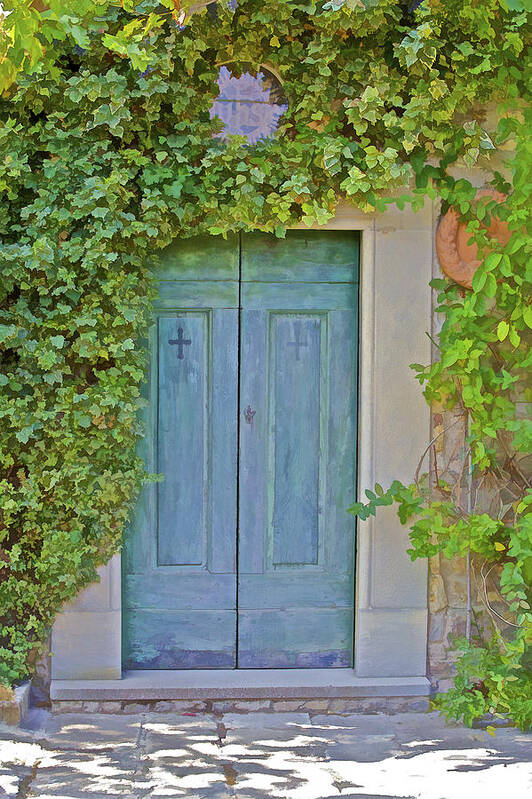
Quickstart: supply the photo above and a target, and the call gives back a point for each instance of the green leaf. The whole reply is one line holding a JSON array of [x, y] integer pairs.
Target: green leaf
[[506, 266], [490, 287], [479, 279], [7, 331], [492, 261], [99, 213], [24, 434], [502, 330], [515, 338]]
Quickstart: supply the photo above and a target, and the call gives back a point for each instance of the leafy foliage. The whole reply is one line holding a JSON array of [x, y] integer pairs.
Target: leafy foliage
[[108, 154], [482, 512]]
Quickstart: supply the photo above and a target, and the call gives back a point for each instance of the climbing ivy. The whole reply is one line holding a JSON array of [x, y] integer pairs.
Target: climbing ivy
[[107, 154], [478, 508]]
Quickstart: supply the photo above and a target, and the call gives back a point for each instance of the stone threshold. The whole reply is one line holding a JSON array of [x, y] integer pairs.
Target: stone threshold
[[243, 684]]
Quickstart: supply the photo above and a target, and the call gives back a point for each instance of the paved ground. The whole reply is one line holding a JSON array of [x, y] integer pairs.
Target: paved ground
[[260, 755]]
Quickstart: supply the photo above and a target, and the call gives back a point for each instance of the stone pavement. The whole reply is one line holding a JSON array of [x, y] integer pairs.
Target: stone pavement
[[260, 755]]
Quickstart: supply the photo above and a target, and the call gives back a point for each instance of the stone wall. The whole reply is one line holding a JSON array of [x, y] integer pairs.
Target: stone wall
[[389, 704], [448, 579]]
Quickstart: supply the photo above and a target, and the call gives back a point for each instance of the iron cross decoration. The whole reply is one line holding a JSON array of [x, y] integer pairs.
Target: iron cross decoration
[[181, 342], [297, 343]]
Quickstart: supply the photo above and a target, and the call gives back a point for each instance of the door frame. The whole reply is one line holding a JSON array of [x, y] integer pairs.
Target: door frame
[[397, 262]]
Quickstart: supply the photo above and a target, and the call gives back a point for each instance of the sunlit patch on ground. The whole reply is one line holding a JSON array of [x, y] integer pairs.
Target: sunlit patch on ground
[[283, 756]]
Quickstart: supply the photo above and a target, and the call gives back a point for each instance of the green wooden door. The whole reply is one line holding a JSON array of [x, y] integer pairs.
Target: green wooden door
[[243, 556], [180, 554], [297, 450]]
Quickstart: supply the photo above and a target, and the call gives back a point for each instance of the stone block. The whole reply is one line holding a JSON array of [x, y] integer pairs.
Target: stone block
[[69, 706], [457, 625], [188, 706], [131, 708], [163, 707], [222, 707], [456, 590], [346, 705], [441, 669], [438, 651], [287, 705], [436, 626], [92, 707], [315, 705], [455, 566], [437, 593], [87, 646], [110, 707], [6, 694], [391, 643], [250, 705], [444, 685], [418, 706], [95, 597], [397, 582], [9, 712], [434, 564]]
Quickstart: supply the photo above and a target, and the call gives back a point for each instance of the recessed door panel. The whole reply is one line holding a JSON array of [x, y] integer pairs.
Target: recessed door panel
[[183, 495], [295, 409]]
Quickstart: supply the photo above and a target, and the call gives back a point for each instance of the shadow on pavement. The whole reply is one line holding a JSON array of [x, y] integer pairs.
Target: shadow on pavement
[[260, 756]]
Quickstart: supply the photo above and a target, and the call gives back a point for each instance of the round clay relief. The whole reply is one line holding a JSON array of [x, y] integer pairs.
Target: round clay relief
[[458, 258], [250, 105]]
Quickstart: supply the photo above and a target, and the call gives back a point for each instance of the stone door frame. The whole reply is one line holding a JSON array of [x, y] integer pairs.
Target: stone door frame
[[391, 614]]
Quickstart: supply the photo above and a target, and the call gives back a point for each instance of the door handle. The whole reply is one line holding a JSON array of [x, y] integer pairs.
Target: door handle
[[249, 413]]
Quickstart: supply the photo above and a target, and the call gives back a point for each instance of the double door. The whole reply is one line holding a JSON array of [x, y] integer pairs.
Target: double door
[[243, 554]]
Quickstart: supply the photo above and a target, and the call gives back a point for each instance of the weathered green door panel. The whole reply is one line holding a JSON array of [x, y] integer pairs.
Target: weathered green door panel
[[201, 258], [304, 255], [283, 637], [318, 590], [180, 639], [205, 294], [180, 553], [182, 498], [297, 296], [297, 456], [295, 425], [157, 589]]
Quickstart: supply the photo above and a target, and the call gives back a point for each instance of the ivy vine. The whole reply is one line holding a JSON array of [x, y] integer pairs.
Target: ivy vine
[[107, 153]]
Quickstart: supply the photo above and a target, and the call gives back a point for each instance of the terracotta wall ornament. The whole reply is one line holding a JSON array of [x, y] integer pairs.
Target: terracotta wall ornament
[[458, 259]]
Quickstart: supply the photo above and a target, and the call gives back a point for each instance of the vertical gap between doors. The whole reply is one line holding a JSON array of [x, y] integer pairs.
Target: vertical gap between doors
[[237, 531]]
